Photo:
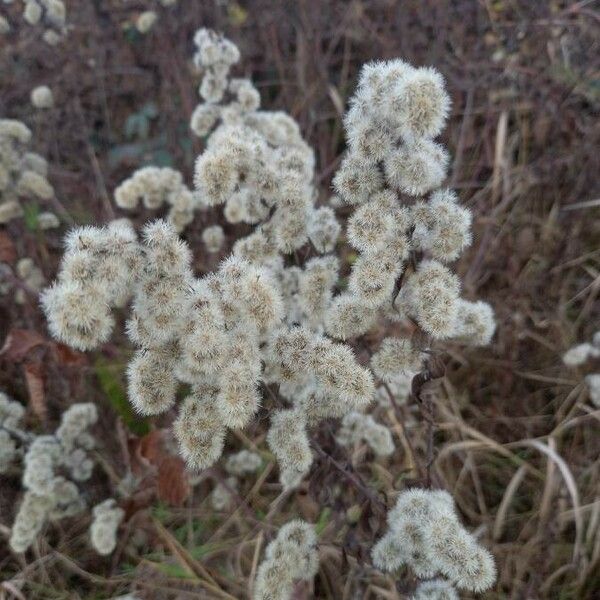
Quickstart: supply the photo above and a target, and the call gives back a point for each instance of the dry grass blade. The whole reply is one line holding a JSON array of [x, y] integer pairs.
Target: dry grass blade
[[189, 563], [571, 487], [502, 511]]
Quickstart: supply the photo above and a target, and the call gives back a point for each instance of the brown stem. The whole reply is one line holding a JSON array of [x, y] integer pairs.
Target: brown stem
[[352, 477]]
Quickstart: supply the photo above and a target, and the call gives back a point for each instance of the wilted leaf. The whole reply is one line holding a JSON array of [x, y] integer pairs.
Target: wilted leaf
[[20, 342], [34, 377], [67, 356], [151, 448], [172, 483], [8, 252]]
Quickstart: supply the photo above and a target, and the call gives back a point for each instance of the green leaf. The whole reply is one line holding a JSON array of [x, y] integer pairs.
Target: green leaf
[[111, 381], [323, 520], [30, 215]]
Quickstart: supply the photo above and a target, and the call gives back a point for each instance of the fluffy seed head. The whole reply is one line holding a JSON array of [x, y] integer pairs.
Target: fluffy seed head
[[417, 168]]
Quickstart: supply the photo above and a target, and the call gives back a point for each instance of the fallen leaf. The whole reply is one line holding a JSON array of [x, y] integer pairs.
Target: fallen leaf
[[150, 447], [67, 356], [172, 482], [34, 377], [8, 252], [20, 342]]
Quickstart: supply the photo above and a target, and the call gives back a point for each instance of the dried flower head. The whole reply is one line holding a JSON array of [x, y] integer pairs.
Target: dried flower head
[[46, 459], [41, 97], [291, 556], [103, 530], [425, 533]]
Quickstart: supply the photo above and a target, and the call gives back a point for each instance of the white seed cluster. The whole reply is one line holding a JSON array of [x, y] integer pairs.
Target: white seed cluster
[[107, 517], [41, 97], [203, 332], [95, 275], [23, 174], [357, 427], [49, 495], [155, 187], [221, 495], [256, 163], [308, 291], [11, 413], [425, 533], [399, 387], [392, 161], [290, 557], [146, 21], [436, 589], [396, 356], [31, 275], [213, 238], [215, 55], [51, 14], [243, 463], [593, 384], [581, 353], [321, 379], [240, 464]]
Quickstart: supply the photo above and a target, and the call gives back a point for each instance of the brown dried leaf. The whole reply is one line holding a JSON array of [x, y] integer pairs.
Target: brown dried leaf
[[172, 482], [8, 252], [20, 342], [67, 356], [151, 448], [34, 377]]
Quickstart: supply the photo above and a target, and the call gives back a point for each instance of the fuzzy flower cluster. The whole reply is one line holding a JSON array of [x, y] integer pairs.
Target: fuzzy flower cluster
[[321, 379], [155, 187], [11, 413], [23, 174], [203, 332], [95, 275], [31, 275], [42, 97], [291, 556], [52, 464], [578, 355], [51, 14], [357, 427], [395, 363], [392, 163], [435, 589], [256, 163], [207, 333], [425, 534], [237, 465], [107, 517]]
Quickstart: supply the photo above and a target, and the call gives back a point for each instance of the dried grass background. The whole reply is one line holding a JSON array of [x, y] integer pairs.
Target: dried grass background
[[515, 436]]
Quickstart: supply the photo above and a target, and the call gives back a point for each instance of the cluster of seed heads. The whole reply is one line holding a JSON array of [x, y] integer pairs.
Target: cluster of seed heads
[[580, 354], [51, 467], [50, 14], [107, 517], [269, 329], [358, 427], [23, 175], [425, 534], [154, 187], [291, 556], [392, 162], [237, 466], [256, 163]]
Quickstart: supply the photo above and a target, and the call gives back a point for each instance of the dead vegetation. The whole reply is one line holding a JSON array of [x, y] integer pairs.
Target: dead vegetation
[[508, 430]]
